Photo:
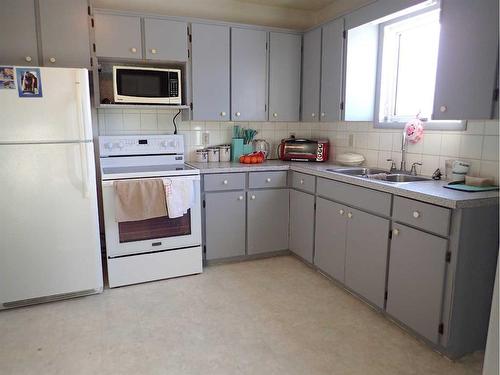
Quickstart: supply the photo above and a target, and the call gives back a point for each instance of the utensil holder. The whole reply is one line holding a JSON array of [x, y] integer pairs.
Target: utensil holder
[[248, 148], [236, 149]]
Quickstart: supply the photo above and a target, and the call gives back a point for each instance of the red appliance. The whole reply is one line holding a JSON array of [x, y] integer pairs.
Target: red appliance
[[298, 149]]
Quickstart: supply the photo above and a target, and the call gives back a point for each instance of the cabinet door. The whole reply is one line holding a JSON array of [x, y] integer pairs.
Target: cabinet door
[[331, 70], [224, 224], [284, 76], [165, 39], [210, 63], [118, 36], [267, 221], [467, 60], [302, 224], [366, 255], [248, 75], [311, 75], [18, 43], [330, 238], [65, 33], [416, 279]]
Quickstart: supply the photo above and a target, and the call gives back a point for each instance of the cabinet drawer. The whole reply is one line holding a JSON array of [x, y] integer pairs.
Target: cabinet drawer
[[224, 181], [422, 215], [267, 179], [303, 182], [366, 199]]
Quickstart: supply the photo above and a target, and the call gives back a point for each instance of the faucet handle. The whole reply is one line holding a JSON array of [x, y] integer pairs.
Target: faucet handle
[[413, 169], [393, 165]]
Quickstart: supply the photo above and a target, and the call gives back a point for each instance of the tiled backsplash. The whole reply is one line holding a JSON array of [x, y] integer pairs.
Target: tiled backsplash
[[479, 144]]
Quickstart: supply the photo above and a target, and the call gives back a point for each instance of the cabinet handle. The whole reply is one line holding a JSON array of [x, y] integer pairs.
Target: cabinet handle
[[443, 108], [323, 114], [52, 60], [223, 113], [275, 114], [237, 114], [153, 51], [313, 114], [133, 50], [341, 211], [268, 179], [224, 182], [349, 215], [416, 214], [302, 182], [28, 58], [240, 198], [395, 232], [252, 197]]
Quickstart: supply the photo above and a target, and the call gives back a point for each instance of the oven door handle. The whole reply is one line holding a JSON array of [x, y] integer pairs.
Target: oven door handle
[[111, 182]]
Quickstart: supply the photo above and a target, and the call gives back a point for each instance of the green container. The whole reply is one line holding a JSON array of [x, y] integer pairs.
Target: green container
[[236, 149], [248, 148]]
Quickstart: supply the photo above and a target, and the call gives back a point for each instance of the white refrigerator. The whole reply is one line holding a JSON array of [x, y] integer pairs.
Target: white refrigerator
[[49, 235]]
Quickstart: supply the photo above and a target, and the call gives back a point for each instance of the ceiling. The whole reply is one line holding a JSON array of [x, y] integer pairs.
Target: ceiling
[[313, 5]]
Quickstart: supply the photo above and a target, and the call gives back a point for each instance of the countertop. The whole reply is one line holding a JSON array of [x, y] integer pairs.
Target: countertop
[[426, 191]]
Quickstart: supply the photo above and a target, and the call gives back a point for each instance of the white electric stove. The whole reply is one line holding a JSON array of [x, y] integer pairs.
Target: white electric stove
[[158, 248]]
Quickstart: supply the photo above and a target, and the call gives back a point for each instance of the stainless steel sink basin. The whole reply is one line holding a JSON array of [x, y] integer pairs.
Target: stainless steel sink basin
[[405, 178], [358, 171], [377, 174]]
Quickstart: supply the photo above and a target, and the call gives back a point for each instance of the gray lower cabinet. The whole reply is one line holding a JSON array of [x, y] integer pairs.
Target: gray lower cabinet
[[118, 36], [416, 279], [367, 245], [210, 67], [64, 28], [302, 224], [248, 75], [225, 224], [330, 238], [165, 39], [284, 76], [18, 43], [311, 77], [267, 220]]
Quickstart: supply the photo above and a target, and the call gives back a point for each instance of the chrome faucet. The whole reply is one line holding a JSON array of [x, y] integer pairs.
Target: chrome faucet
[[404, 149]]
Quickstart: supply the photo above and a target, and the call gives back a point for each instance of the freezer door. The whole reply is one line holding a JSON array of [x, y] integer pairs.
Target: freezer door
[[49, 238], [61, 114]]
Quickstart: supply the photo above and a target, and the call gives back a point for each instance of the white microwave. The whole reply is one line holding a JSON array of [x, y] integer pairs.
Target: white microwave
[[141, 85]]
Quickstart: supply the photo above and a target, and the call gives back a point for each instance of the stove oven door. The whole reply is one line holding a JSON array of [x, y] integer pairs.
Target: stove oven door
[[157, 234]]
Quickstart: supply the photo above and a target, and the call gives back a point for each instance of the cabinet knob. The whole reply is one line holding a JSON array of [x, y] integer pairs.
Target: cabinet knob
[[313, 114], [395, 232], [52, 60], [28, 58], [133, 50], [349, 215], [416, 214], [268, 179], [443, 108], [341, 211], [240, 198], [252, 197], [224, 182], [275, 114], [323, 114], [237, 114], [153, 51], [302, 182], [223, 113]]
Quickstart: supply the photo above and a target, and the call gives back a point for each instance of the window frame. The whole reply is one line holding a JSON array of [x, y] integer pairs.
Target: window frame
[[430, 124]]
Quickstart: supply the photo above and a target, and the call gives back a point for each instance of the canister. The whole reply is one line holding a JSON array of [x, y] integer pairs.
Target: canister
[[225, 153], [213, 154], [202, 156]]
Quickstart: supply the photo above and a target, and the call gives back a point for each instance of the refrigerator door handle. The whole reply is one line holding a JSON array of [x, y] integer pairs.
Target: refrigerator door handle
[[83, 107], [85, 170]]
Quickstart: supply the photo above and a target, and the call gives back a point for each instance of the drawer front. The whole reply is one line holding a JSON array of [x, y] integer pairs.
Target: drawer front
[[422, 215], [224, 181], [355, 196], [303, 182], [267, 179]]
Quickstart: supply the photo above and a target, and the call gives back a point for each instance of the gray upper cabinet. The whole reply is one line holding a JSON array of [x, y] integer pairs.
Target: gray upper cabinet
[[248, 75], [311, 75], [331, 70], [302, 224], [416, 280], [467, 60], [225, 224], [64, 28], [284, 76], [330, 238], [267, 220], [118, 36], [366, 255], [210, 67], [18, 43], [165, 39]]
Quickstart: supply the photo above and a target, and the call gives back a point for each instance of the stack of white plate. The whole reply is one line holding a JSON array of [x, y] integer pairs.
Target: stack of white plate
[[351, 159]]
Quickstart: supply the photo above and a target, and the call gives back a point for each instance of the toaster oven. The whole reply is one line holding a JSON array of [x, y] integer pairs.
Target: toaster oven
[[297, 149]]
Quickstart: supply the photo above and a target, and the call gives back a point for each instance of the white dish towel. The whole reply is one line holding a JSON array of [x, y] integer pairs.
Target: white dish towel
[[179, 194]]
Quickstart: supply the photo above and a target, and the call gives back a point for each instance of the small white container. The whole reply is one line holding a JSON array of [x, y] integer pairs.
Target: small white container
[[225, 153], [213, 154], [202, 156]]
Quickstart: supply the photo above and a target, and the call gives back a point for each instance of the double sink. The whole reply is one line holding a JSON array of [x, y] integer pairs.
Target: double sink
[[381, 175]]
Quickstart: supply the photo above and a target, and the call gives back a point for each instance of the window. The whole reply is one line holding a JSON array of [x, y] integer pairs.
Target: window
[[408, 70]]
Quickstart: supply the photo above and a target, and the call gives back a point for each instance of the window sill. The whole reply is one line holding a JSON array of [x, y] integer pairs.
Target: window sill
[[428, 125]]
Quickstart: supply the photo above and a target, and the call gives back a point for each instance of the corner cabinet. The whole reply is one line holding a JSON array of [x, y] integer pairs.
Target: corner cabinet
[[311, 76], [284, 76], [248, 75], [210, 67]]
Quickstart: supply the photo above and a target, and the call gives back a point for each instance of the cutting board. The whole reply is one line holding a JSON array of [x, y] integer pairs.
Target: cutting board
[[470, 189]]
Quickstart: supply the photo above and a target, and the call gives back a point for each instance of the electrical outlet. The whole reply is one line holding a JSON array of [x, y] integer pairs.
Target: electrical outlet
[[351, 140], [205, 138]]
